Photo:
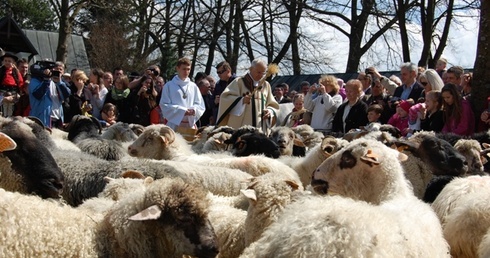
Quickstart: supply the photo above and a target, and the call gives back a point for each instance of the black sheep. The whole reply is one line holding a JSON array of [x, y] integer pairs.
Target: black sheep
[[33, 161], [255, 143]]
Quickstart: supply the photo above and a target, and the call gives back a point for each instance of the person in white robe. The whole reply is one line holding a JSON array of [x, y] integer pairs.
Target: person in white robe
[[248, 100], [181, 102]]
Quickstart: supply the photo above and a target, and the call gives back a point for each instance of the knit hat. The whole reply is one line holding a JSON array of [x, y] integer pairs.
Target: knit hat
[[405, 105]]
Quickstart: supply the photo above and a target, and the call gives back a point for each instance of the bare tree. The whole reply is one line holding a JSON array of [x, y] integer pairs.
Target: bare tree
[[361, 38]]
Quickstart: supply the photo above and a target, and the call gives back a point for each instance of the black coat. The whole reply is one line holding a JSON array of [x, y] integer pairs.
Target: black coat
[[356, 118], [415, 94], [434, 122]]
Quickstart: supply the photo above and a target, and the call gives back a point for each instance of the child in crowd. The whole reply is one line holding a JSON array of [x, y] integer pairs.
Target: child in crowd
[[431, 117], [295, 118], [400, 118], [108, 114], [374, 112], [414, 119]]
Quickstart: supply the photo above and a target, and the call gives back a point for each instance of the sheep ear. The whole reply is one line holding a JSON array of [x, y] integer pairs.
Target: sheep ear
[[250, 194], [6, 143], [164, 140], [148, 180], [483, 159], [370, 158], [299, 142], [151, 213], [108, 179], [293, 184], [402, 156], [485, 145]]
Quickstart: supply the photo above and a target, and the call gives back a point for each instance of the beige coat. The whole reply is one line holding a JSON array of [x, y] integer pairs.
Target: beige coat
[[242, 113]]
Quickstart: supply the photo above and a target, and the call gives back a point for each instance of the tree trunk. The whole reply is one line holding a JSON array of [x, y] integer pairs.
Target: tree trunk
[[64, 33], [403, 31], [481, 77], [427, 18]]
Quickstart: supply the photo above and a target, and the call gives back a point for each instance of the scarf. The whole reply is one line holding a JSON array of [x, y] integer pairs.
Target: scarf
[[117, 94]]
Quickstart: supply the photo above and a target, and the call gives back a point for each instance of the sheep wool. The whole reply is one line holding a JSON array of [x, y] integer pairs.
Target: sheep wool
[[464, 210], [373, 213]]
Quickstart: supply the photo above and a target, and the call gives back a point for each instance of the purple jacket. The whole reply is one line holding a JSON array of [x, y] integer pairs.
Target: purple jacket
[[466, 125]]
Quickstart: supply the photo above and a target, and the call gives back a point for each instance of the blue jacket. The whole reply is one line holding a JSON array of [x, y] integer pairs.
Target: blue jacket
[[40, 100]]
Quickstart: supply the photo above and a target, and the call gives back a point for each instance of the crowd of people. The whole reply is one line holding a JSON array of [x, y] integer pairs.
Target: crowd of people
[[420, 99]]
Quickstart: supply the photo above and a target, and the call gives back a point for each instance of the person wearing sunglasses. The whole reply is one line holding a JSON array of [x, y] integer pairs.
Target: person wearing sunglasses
[[223, 69], [431, 81]]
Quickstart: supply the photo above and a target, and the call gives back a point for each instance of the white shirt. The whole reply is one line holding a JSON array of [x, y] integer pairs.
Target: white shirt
[[174, 105]]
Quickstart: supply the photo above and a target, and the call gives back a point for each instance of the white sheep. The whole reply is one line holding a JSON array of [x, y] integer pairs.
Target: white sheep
[[374, 215], [84, 174], [304, 166], [229, 225], [160, 142], [463, 208], [268, 195], [177, 225]]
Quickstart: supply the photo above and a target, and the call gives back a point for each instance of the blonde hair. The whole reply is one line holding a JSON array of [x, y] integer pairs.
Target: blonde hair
[[299, 96], [79, 75], [330, 80]]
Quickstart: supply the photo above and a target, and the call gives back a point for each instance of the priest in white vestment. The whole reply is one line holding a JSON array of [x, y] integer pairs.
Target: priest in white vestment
[[248, 100], [181, 102]]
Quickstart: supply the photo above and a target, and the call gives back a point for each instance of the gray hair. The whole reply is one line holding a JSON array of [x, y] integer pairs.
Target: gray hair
[[202, 83], [256, 62], [411, 67], [59, 63]]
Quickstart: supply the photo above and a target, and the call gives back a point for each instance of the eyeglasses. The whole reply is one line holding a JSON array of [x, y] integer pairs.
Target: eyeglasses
[[424, 83], [220, 72]]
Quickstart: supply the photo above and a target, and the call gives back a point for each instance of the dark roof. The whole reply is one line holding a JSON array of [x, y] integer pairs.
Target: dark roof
[[46, 42], [294, 81], [13, 39]]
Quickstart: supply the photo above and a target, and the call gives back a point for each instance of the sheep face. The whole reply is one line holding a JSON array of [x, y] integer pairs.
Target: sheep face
[[443, 158], [471, 150], [177, 215], [284, 138], [363, 170], [152, 142], [34, 162]]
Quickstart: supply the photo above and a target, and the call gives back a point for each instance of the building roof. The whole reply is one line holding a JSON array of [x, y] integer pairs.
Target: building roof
[[13, 39], [46, 43], [41, 45]]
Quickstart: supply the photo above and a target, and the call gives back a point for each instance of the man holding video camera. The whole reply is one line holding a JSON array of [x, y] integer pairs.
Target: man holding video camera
[[47, 93]]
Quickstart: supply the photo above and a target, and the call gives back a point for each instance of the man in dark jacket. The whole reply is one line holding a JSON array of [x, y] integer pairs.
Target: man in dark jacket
[[410, 88]]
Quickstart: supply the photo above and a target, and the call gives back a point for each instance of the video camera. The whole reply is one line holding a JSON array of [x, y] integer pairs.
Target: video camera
[[37, 69]]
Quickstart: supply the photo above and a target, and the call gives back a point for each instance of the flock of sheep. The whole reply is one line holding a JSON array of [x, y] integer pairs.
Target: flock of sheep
[[130, 191]]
